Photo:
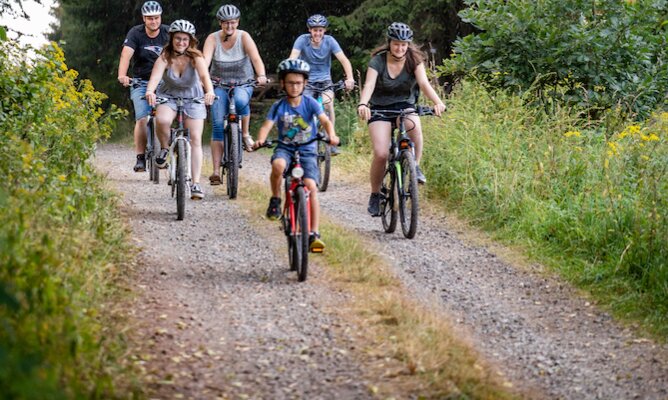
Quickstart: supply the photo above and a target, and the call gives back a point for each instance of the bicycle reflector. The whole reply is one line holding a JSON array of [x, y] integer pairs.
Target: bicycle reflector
[[297, 172], [404, 144]]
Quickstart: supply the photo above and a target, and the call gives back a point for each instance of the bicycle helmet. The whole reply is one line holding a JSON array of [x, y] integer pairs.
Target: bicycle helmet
[[151, 8], [293, 65], [181, 25], [399, 31], [227, 12], [317, 20]]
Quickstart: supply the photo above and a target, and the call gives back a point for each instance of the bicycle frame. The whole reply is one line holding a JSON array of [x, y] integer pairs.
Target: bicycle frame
[[180, 134], [295, 181]]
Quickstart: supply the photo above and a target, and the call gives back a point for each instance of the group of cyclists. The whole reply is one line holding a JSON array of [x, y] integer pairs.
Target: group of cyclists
[[167, 62]]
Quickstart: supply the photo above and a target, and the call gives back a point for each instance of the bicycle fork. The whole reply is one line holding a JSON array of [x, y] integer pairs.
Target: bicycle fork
[[172, 165]]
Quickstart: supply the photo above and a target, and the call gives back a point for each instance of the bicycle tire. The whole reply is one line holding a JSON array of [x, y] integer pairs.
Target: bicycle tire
[[154, 171], [301, 233], [232, 148], [324, 165], [388, 203], [408, 195], [181, 184]]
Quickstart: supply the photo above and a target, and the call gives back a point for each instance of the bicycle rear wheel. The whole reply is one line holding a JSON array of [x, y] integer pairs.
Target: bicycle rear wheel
[[154, 171], [301, 233], [408, 195], [324, 165], [388, 203], [233, 145], [181, 184]]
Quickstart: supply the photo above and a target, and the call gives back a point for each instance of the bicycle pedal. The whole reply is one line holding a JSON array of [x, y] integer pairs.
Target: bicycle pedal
[[317, 250]]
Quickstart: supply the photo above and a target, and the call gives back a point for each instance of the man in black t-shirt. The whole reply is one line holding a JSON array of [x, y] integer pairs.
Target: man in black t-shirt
[[142, 45]]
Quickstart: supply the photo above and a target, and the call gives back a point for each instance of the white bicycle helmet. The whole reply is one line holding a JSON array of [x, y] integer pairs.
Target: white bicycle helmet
[[317, 20], [151, 8], [399, 31], [293, 65], [228, 12], [181, 25]]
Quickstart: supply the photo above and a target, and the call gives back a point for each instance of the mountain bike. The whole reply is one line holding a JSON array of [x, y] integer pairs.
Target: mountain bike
[[179, 165], [324, 149], [399, 188], [151, 139], [296, 216], [233, 151]]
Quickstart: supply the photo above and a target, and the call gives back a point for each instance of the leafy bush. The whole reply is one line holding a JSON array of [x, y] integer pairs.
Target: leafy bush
[[596, 55], [60, 238], [592, 201]]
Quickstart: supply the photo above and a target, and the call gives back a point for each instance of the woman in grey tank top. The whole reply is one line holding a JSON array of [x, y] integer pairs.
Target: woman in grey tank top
[[233, 57], [183, 71], [395, 76]]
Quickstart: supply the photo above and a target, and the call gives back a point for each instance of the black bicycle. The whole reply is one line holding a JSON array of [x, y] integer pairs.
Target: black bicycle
[[399, 189], [152, 144], [324, 149], [233, 152]]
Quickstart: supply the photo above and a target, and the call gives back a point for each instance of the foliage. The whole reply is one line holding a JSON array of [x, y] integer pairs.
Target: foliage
[[59, 235], [593, 201], [606, 54]]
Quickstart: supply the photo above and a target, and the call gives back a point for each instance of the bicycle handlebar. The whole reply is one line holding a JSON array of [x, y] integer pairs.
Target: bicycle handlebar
[[340, 85], [230, 85], [420, 110], [273, 143]]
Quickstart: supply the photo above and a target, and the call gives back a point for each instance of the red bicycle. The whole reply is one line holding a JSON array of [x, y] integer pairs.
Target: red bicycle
[[296, 216]]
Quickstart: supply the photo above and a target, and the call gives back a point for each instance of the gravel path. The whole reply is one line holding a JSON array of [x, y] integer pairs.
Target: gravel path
[[220, 315]]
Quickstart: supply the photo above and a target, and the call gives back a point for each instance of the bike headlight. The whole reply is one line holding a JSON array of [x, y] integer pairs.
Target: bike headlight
[[297, 172]]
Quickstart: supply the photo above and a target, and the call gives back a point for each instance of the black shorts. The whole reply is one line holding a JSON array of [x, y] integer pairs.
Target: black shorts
[[390, 118]]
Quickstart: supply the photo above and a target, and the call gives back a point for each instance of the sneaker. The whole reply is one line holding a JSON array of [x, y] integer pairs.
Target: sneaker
[[161, 158], [420, 176], [334, 150], [140, 166], [214, 180], [274, 209], [248, 143], [196, 192], [315, 244], [374, 204]]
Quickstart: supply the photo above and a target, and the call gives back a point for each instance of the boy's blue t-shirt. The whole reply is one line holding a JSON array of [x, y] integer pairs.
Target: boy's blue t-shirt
[[319, 59], [296, 124]]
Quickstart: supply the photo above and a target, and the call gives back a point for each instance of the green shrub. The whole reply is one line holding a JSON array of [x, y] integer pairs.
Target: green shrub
[[60, 237]]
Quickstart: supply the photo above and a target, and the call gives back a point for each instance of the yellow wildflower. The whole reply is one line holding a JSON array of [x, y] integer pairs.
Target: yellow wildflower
[[633, 129], [614, 149], [572, 133], [649, 138]]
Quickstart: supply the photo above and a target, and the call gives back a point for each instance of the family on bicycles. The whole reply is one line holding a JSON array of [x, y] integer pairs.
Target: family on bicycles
[[394, 79]]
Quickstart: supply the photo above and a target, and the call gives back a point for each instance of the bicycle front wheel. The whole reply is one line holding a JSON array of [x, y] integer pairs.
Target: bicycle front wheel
[[154, 171], [388, 203], [324, 165], [301, 233], [408, 195], [181, 184], [232, 147]]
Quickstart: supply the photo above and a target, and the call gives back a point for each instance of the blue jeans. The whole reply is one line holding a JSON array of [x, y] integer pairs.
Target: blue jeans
[[137, 93], [219, 108]]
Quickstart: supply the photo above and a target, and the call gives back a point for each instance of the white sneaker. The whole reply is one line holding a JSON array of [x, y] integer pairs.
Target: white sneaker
[[248, 142], [196, 192]]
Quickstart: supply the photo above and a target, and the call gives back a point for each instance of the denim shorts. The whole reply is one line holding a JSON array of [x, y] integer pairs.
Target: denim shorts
[[309, 162], [137, 92]]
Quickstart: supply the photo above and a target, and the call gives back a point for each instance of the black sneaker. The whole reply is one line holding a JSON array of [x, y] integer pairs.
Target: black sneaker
[[334, 150], [316, 245], [140, 166], [374, 204], [274, 209], [161, 158], [420, 176]]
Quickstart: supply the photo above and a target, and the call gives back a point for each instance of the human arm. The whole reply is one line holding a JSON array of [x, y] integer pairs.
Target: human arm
[[124, 65], [208, 49], [263, 133], [347, 69], [156, 74], [200, 65], [363, 109], [329, 128], [256, 60], [428, 90], [295, 53]]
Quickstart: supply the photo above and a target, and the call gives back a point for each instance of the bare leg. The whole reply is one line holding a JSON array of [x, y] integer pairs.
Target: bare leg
[[380, 140], [416, 136], [140, 132], [195, 126]]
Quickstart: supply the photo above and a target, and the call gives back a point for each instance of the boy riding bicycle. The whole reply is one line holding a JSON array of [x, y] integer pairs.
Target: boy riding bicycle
[[294, 116]]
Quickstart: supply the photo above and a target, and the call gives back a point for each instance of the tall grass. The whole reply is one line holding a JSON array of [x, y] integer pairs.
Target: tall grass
[[590, 200], [60, 237]]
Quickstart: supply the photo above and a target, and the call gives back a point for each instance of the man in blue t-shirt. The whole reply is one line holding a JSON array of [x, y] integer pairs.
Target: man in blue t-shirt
[[294, 116], [317, 48], [143, 44]]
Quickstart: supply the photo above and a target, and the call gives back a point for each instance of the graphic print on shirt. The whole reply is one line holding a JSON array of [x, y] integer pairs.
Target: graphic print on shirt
[[155, 49], [295, 128]]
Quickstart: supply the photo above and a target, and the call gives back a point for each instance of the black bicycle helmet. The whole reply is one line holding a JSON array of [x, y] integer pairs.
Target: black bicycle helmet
[[293, 65], [399, 31], [181, 25], [228, 12], [317, 20], [151, 8]]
